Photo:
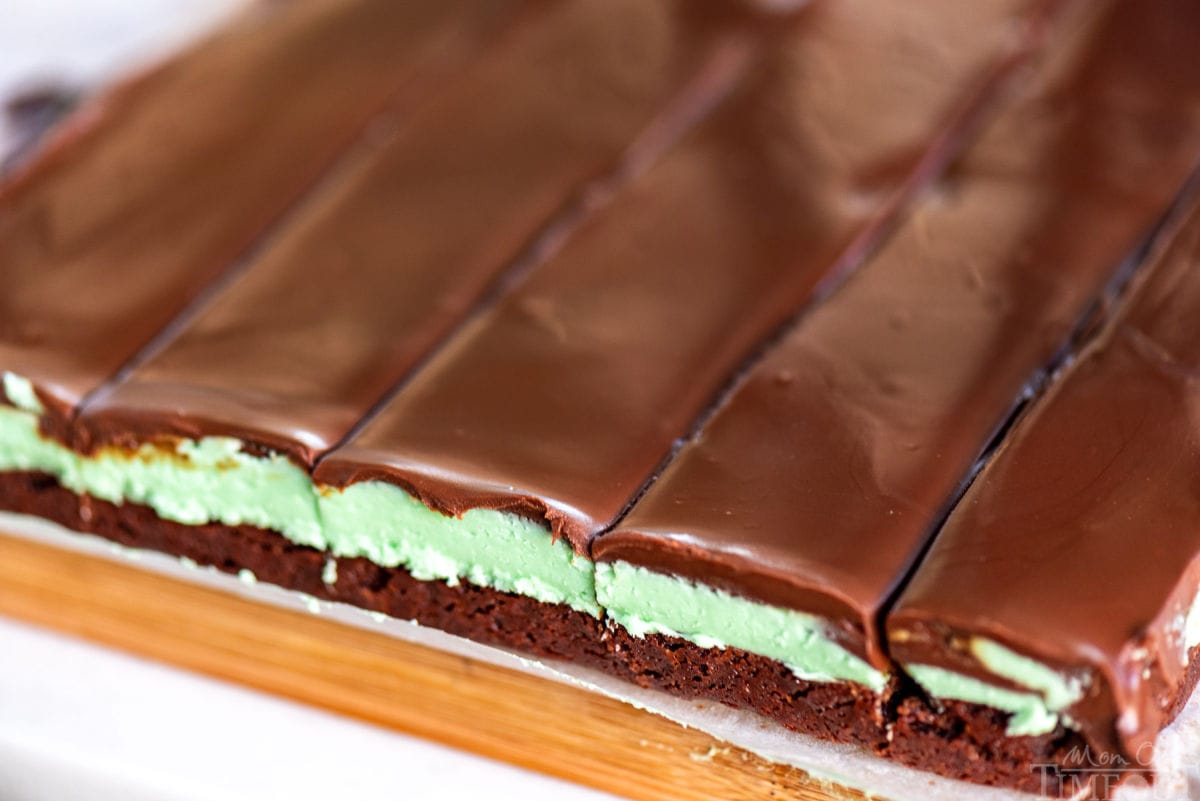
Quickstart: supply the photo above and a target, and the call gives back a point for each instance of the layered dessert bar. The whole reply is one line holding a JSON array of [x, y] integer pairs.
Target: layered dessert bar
[[683, 341], [1061, 599]]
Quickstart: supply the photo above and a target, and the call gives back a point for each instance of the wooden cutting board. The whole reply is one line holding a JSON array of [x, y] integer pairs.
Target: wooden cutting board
[[528, 721]]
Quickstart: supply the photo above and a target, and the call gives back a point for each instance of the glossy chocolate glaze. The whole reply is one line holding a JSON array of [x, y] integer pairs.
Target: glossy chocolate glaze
[[1091, 512], [364, 283], [562, 399], [820, 481], [155, 188], [1079, 545]]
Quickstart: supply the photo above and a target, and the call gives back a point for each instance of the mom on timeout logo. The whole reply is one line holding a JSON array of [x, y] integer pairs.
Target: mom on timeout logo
[[1086, 775]]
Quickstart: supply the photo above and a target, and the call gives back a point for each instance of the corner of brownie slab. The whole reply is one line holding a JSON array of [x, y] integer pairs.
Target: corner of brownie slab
[[969, 742], [1084, 753]]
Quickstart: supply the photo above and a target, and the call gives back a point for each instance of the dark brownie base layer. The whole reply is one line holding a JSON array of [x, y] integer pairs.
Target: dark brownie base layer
[[838, 711], [966, 741], [953, 739], [495, 618]]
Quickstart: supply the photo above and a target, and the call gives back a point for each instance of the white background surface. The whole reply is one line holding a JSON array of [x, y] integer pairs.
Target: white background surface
[[82, 722]]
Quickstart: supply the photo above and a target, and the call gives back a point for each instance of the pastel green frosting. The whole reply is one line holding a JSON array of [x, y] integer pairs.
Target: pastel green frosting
[[1030, 715], [646, 602], [22, 447], [1035, 712], [488, 548], [207, 480], [1059, 690], [198, 482], [20, 393]]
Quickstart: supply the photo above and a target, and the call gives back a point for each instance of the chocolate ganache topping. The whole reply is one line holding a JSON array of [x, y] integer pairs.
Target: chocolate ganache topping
[[560, 400], [420, 223], [817, 485], [157, 187]]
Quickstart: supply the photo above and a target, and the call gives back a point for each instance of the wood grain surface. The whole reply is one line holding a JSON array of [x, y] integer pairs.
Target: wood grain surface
[[535, 723]]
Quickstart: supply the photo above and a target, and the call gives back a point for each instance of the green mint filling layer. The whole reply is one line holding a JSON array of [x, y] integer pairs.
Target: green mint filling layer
[[199, 482], [1033, 713], [20, 393], [1059, 690], [383, 523], [22, 447], [208, 480], [645, 602], [1030, 716]]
